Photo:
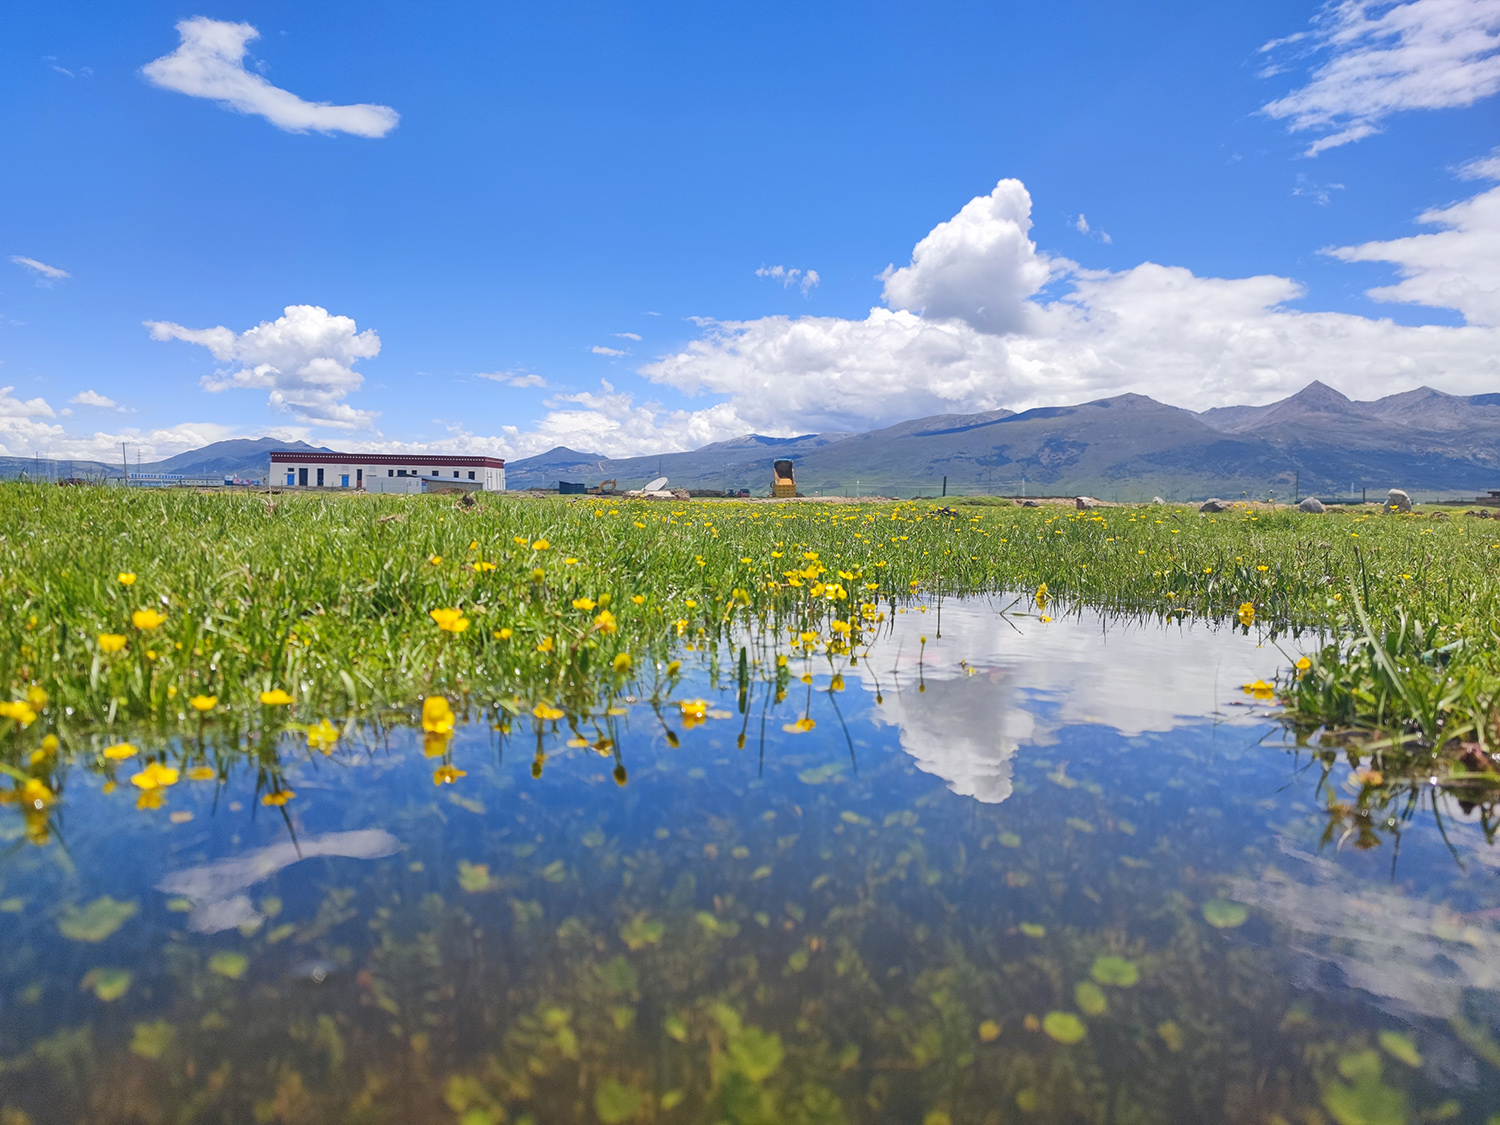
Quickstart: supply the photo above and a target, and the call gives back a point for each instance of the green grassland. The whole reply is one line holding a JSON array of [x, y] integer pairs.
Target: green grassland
[[565, 603]]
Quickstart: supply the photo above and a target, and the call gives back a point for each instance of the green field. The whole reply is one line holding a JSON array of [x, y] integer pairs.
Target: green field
[[123, 608]]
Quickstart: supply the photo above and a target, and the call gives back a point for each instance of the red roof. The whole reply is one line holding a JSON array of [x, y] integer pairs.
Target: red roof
[[433, 459]]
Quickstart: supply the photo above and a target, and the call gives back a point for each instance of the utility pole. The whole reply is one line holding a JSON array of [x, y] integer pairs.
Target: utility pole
[[945, 486]]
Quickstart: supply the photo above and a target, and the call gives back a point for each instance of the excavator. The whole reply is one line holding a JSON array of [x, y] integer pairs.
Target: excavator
[[606, 488]]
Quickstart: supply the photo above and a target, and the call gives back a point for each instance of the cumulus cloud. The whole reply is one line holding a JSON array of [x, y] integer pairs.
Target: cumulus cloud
[[25, 431], [305, 358], [1483, 168], [46, 274], [600, 349], [94, 398], [210, 63], [806, 280], [1456, 268], [512, 378], [1381, 58], [978, 267]]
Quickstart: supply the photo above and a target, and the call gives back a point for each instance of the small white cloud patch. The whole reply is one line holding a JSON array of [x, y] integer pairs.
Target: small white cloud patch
[[210, 63], [512, 378], [629, 336], [789, 276], [46, 274], [94, 398], [1082, 227], [600, 349]]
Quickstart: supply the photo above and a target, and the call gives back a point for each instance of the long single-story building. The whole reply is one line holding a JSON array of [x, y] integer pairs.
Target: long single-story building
[[383, 472]]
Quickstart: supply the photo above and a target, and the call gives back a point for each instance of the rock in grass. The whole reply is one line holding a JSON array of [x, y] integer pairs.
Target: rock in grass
[[1397, 501], [1214, 504], [1157, 500], [1312, 504], [1085, 503]]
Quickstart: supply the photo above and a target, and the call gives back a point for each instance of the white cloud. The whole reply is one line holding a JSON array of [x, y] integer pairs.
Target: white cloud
[[512, 379], [94, 398], [305, 358], [46, 274], [629, 336], [1318, 193], [600, 349], [979, 266], [806, 280], [1456, 268], [1384, 58], [12, 407], [1482, 168], [24, 433], [1082, 227], [210, 63]]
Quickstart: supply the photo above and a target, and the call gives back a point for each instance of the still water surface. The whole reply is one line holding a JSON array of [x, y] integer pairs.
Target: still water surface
[[1011, 870]]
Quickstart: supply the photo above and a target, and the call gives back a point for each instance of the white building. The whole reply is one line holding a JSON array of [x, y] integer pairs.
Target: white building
[[384, 472]]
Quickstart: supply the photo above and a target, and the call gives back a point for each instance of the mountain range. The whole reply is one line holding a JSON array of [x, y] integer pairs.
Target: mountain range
[[1128, 447]]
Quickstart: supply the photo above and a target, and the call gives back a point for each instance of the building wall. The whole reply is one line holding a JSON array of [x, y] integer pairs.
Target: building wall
[[341, 476]]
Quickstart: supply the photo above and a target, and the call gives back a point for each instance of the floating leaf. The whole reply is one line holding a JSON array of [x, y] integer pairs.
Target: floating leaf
[[641, 931], [107, 984], [12, 905], [672, 1099], [1224, 915], [1065, 1027], [622, 1016], [554, 872], [1010, 840], [821, 774], [152, 1040], [616, 1102], [1090, 998], [96, 921], [1367, 1102], [1118, 971], [1027, 1100], [1170, 1034], [618, 975], [1032, 929], [475, 877], [674, 1027], [1401, 1048], [227, 963], [593, 838], [797, 961], [756, 1054]]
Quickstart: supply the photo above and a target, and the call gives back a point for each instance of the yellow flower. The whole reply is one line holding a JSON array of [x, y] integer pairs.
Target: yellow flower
[[155, 776], [275, 698], [111, 642], [521, 540], [437, 715], [146, 619], [203, 702], [1263, 568], [541, 545], [120, 751], [1044, 618], [674, 667], [502, 634], [434, 744], [638, 523], [1259, 689], [546, 711], [126, 578], [36, 695], [447, 775], [201, 773], [19, 710], [481, 566], [450, 620], [538, 574], [605, 622], [638, 599], [801, 726], [322, 736], [474, 545], [435, 559], [691, 604], [571, 561], [622, 662], [583, 603], [150, 799], [278, 799], [544, 645], [1246, 614]]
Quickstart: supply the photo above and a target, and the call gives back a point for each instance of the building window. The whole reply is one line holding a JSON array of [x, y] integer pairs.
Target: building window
[[400, 472], [302, 477], [392, 472], [471, 475], [320, 478], [455, 474], [359, 478]]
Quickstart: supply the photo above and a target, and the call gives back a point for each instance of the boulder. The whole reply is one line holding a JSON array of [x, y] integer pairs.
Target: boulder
[[1085, 503], [1030, 504], [1397, 501], [1157, 500], [1214, 504], [1311, 504]]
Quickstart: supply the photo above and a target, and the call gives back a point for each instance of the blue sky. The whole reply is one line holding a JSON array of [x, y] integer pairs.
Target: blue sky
[[509, 194]]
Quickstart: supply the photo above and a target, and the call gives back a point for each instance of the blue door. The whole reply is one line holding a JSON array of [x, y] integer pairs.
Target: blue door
[[344, 481]]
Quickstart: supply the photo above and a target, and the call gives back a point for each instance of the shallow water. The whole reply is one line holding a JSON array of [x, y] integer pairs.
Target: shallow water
[[1061, 871]]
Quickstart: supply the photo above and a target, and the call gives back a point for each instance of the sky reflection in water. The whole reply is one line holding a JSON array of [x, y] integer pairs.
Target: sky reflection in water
[[907, 911]]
